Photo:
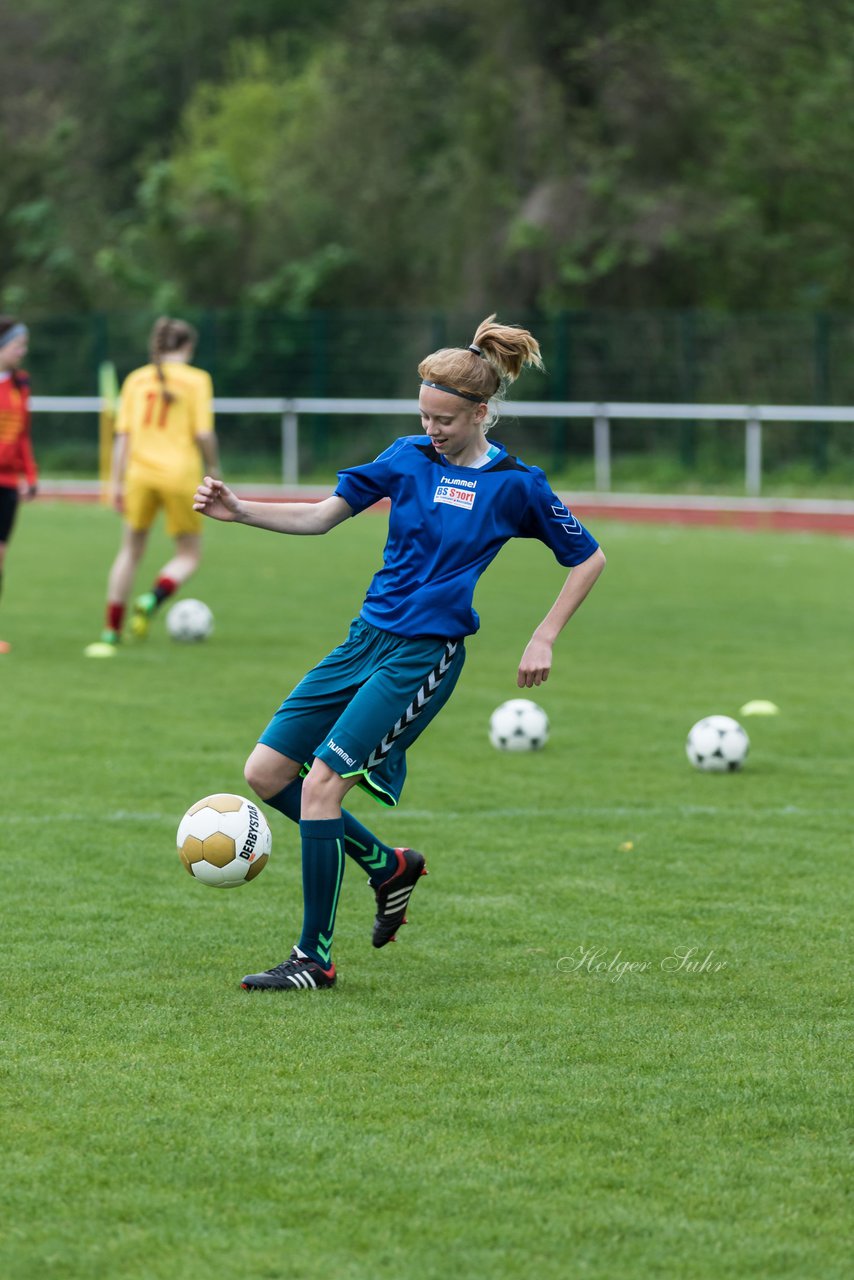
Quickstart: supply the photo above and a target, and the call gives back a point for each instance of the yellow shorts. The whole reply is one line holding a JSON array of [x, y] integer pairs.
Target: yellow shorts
[[143, 501]]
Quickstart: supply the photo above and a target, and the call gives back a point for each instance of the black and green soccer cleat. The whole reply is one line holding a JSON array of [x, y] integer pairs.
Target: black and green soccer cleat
[[394, 894], [143, 609], [297, 973]]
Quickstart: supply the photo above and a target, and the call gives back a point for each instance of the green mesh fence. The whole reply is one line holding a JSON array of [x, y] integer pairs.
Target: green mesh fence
[[682, 357]]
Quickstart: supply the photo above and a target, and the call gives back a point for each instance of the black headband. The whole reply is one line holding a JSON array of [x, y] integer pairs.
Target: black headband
[[466, 395]]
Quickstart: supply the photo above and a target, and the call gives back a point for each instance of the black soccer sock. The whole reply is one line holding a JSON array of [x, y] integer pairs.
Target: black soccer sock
[[376, 859], [322, 874]]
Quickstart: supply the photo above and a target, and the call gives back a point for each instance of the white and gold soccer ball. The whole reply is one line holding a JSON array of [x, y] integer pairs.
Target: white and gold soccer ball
[[189, 621], [224, 840], [518, 725], [717, 744]]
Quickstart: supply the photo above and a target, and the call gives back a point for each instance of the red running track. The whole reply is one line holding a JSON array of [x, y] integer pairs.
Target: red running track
[[761, 514]]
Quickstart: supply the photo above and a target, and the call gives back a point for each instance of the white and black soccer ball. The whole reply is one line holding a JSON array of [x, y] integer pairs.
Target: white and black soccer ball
[[717, 744], [189, 621], [518, 725], [224, 840]]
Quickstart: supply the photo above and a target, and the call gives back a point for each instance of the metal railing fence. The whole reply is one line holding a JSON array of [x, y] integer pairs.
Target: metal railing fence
[[600, 413]]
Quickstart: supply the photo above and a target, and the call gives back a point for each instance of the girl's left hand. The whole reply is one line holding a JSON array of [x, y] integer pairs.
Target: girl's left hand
[[535, 665]]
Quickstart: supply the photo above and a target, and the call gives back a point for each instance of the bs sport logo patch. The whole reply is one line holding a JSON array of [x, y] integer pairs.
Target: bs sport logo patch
[[455, 497]]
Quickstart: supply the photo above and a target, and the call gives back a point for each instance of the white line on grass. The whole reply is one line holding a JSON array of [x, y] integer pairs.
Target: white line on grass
[[445, 815], [23, 819], [612, 811]]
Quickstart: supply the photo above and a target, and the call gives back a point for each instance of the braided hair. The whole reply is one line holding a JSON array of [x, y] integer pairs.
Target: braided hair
[[168, 335]]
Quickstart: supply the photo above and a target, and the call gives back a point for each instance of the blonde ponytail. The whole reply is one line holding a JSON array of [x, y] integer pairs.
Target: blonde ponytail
[[485, 369]]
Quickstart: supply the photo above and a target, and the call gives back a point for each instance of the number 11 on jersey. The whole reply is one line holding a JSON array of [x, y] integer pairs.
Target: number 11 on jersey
[[151, 398]]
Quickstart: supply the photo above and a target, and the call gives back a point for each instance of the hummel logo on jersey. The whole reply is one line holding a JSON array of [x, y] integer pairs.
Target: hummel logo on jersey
[[339, 751], [455, 497], [562, 513]]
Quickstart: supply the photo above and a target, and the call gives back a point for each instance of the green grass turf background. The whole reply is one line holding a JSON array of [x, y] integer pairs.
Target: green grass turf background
[[467, 1102]]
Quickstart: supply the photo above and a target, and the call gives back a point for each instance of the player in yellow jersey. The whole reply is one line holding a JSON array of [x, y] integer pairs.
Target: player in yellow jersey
[[164, 433]]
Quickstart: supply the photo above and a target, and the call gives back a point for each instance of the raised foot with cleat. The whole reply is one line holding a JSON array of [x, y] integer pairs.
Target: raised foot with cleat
[[143, 609], [297, 973], [394, 894]]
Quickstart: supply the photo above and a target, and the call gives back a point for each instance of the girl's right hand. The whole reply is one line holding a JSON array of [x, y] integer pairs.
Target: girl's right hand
[[215, 499]]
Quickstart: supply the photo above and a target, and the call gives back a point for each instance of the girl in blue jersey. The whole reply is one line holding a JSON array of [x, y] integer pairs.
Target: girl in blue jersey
[[456, 498]]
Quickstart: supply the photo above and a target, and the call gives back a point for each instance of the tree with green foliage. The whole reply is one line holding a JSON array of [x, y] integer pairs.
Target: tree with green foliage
[[415, 153]]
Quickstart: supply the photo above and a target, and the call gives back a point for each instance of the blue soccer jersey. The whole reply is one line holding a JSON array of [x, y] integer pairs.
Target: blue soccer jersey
[[446, 525]]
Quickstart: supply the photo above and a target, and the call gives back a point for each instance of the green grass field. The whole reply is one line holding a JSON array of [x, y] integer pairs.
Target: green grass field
[[469, 1102]]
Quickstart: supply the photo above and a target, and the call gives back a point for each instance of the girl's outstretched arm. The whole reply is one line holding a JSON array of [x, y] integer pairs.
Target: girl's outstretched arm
[[215, 499]]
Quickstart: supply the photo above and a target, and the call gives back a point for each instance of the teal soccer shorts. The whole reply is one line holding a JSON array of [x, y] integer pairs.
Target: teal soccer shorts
[[363, 706]]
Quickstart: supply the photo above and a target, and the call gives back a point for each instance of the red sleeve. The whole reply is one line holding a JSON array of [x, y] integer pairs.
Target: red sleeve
[[25, 441]]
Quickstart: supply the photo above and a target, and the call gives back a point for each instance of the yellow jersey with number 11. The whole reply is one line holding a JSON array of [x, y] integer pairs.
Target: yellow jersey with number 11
[[162, 429]]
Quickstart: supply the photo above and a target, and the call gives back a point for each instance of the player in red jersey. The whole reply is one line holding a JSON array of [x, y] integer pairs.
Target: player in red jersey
[[16, 454]]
